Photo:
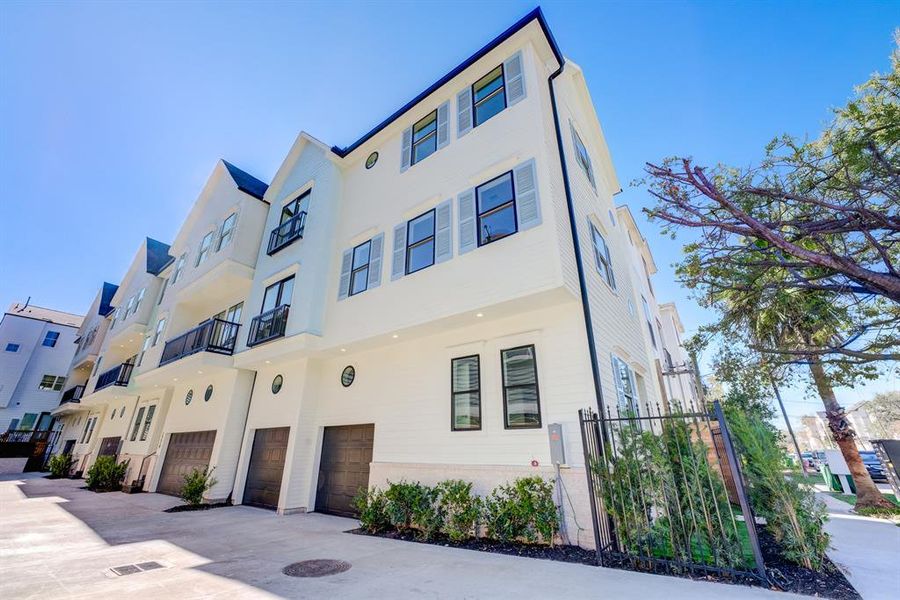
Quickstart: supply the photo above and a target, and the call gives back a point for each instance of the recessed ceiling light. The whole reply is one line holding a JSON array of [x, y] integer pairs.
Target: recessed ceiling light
[[395, 336], [268, 362], [343, 349], [199, 372], [174, 379], [479, 315]]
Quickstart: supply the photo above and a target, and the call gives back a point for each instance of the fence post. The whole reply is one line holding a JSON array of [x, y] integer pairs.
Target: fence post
[[736, 474], [595, 523]]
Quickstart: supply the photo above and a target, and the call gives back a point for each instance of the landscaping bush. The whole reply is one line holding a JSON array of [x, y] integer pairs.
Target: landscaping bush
[[794, 517], [412, 505], [60, 465], [106, 474], [458, 508], [196, 483], [372, 507], [523, 510]]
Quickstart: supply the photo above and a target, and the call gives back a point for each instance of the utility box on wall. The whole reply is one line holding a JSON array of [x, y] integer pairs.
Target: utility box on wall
[[557, 450]]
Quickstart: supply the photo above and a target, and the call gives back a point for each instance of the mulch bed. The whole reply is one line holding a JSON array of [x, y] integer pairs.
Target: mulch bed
[[570, 554], [193, 507], [99, 491], [786, 576]]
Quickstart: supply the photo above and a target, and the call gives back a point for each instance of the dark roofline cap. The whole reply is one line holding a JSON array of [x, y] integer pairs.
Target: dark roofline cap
[[536, 14]]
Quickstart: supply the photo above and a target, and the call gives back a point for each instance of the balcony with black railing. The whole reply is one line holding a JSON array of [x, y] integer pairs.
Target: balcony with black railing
[[118, 375], [287, 232], [269, 325], [73, 394], [215, 335]]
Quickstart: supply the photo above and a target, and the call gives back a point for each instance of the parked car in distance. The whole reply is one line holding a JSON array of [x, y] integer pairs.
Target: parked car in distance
[[873, 466]]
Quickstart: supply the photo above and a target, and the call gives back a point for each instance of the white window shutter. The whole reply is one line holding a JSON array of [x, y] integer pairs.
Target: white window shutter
[[443, 232], [463, 112], [398, 260], [515, 78], [346, 267], [406, 149], [467, 221], [528, 206], [375, 252], [617, 379], [443, 124]]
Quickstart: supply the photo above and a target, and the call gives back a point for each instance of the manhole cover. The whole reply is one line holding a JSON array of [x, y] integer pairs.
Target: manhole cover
[[316, 568]]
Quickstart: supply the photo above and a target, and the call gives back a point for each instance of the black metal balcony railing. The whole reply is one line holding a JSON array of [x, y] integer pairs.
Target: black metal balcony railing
[[216, 335], [269, 325], [73, 394], [118, 375], [287, 232]]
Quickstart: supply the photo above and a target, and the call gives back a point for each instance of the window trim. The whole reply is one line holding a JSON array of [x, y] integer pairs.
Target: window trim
[[605, 257], [586, 164], [229, 234], [355, 271], [537, 390], [454, 393], [421, 242], [479, 215], [634, 401], [204, 252], [475, 104], [412, 140]]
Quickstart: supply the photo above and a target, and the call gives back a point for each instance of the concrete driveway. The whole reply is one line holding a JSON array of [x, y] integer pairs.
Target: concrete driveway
[[59, 541]]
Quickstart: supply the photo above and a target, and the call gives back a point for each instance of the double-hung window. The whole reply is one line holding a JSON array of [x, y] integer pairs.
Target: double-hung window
[[52, 383], [489, 95], [424, 137], [465, 391], [496, 204], [420, 242], [521, 400], [626, 390], [145, 430], [649, 321], [602, 258], [179, 267], [227, 231], [581, 155], [205, 246], [12, 347], [50, 339], [160, 326], [128, 308], [359, 275], [137, 301], [277, 294], [294, 208], [137, 423]]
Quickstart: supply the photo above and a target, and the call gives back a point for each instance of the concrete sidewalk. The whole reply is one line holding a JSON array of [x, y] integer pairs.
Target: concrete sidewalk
[[59, 541], [866, 549]]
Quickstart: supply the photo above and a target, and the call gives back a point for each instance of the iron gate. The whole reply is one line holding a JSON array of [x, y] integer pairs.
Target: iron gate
[[667, 494]]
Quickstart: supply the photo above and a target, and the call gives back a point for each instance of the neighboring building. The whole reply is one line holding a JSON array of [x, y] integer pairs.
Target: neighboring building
[[814, 434], [36, 347], [409, 307]]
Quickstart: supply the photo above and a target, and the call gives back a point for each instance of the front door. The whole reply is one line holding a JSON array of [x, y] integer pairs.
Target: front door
[[109, 446]]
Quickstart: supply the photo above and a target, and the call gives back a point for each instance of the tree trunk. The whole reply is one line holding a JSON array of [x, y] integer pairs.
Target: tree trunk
[[867, 495]]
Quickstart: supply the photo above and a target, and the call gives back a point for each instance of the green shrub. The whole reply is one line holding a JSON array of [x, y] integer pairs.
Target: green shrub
[[106, 474], [372, 507], [60, 465], [458, 508], [523, 510], [794, 517], [412, 505], [197, 483]]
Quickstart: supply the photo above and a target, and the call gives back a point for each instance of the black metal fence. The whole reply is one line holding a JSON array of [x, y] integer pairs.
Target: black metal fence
[[665, 497], [34, 445], [118, 375], [287, 232], [269, 325]]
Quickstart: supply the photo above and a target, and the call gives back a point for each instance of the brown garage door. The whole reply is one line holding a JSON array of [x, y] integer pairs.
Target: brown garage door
[[185, 452], [344, 468], [266, 467], [109, 446]]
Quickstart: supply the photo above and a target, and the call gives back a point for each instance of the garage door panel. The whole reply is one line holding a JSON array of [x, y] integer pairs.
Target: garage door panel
[[344, 467], [185, 452], [266, 467]]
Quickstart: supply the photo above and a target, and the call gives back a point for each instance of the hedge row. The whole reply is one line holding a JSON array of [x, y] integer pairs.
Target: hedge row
[[522, 511]]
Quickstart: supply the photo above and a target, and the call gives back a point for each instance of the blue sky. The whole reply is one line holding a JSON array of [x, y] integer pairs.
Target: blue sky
[[112, 115]]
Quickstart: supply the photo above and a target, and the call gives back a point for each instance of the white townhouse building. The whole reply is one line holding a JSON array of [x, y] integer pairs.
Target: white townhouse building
[[36, 347], [436, 300]]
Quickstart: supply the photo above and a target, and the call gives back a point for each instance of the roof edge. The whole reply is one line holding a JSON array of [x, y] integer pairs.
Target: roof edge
[[535, 14]]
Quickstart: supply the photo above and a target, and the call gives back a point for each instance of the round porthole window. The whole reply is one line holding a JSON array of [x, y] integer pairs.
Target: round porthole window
[[348, 375], [189, 397], [208, 394], [373, 158], [277, 383]]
